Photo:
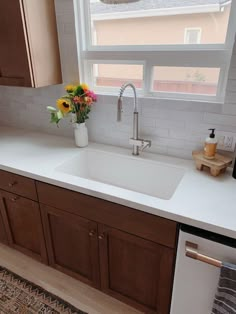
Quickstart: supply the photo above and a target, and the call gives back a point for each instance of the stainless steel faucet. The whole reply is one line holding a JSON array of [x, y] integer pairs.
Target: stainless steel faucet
[[135, 140]]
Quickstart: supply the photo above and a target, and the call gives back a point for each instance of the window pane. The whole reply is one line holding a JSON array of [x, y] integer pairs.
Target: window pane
[[201, 81], [114, 75], [149, 22], [192, 36]]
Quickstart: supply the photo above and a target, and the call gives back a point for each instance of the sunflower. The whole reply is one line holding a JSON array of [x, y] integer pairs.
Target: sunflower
[[64, 105], [84, 86], [70, 88]]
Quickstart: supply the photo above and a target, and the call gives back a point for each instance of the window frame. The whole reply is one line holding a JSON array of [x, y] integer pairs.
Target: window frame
[[199, 35], [181, 55]]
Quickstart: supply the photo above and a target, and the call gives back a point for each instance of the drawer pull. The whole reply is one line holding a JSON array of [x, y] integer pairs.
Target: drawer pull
[[11, 184], [101, 236], [14, 199], [92, 233]]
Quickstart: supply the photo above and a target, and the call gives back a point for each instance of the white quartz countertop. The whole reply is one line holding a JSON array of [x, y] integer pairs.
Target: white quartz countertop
[[200, 200]]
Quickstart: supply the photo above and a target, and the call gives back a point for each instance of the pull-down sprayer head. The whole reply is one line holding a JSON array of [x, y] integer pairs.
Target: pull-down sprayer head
[[119, 108], [120, 104]]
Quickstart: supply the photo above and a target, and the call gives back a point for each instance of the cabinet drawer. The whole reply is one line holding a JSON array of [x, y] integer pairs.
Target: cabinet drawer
[[147, 226], [17, 184]]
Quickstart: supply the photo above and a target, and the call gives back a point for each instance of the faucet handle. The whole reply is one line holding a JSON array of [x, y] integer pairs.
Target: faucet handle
[[145, 144], [140, 143]]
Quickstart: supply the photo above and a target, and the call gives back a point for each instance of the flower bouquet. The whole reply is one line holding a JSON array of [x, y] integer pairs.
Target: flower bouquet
[[77, 103]]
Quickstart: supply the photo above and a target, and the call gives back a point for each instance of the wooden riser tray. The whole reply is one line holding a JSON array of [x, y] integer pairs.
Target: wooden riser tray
[[217, 165]]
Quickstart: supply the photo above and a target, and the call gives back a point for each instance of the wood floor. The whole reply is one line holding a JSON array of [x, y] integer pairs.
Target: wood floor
[[80, 295]]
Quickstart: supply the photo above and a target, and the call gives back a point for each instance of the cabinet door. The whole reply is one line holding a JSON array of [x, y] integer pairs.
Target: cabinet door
[[72, 244], [14, 57], [135, 270], [3, 237], [29, 50], [22, 221]]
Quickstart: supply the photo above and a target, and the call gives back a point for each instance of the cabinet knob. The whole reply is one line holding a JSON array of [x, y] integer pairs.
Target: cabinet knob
[[92, 233], [14, 199], [101, 236], [11, 184]]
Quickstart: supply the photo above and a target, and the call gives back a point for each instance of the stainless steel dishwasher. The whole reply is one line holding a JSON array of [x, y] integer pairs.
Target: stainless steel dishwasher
[[197, 271]]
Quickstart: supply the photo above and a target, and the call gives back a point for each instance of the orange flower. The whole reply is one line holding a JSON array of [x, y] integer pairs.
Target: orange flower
[[84, 86], [78, 100]]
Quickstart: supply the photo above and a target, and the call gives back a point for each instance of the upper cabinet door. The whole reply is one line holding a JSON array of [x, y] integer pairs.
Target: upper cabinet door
[[135, 270], [29, 51], [14, 59]]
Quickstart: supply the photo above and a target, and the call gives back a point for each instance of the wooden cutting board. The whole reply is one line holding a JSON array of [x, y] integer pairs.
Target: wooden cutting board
[[217, 165]]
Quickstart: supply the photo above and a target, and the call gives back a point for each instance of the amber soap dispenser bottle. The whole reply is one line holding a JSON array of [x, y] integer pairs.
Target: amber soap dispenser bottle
[[210, 145]]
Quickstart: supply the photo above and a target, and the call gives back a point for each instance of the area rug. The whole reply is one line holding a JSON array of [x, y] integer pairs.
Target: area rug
[[20, 296]]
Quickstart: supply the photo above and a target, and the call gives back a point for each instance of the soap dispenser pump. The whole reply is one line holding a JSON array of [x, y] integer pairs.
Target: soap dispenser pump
[[210, 145]]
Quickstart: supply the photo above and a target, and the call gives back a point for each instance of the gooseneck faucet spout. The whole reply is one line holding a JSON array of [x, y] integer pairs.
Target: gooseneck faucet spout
[[135, 141], [120, 100]]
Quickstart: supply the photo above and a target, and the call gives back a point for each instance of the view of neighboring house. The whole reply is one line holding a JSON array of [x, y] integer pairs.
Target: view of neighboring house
[[160, 22]]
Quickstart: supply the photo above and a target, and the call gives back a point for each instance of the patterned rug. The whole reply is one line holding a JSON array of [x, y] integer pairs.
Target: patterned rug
[[19, 296]]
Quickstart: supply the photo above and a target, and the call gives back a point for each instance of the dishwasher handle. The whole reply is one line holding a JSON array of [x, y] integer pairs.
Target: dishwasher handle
[[191, 250]]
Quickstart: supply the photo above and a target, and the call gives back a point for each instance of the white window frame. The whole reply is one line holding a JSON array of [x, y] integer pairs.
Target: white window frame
[[197, 55], [199, 35], [89, 76]]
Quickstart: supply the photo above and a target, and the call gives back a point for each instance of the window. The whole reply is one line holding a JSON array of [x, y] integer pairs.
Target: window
[[198, 81], [192, 36], [170, 49], [114, 75]]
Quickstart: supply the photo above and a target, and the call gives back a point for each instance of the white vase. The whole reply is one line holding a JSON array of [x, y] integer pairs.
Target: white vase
[[81, 134]]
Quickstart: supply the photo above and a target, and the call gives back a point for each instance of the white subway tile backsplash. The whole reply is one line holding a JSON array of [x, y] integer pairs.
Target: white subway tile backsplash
[[147, 122], [230, 97], [229, 109], [163, 123], [232, 70], [220, 119], [231, 86], [184, 134], [154, 133], [176, 127]]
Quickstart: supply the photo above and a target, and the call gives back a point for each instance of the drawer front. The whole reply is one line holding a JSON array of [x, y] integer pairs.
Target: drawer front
[[18, 184], [147, 226]]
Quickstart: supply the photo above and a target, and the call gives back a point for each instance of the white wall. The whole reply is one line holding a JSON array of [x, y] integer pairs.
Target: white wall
[[175, 127]]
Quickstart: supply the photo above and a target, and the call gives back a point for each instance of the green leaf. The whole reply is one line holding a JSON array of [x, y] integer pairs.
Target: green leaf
[[54, 118], [51, 109], [78, 91], [59, 115]]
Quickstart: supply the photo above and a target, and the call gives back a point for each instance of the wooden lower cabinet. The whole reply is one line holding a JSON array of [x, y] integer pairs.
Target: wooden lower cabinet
[[127, 267], [125, 253], [3, 237], [23, 225], [135, 270], [72, 244]]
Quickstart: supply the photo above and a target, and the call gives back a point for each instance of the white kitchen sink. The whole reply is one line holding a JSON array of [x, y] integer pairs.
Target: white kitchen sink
[[149, 177]]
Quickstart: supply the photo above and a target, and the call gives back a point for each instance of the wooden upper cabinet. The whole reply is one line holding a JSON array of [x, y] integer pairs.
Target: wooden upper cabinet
[[135, 270], [29, 51]]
